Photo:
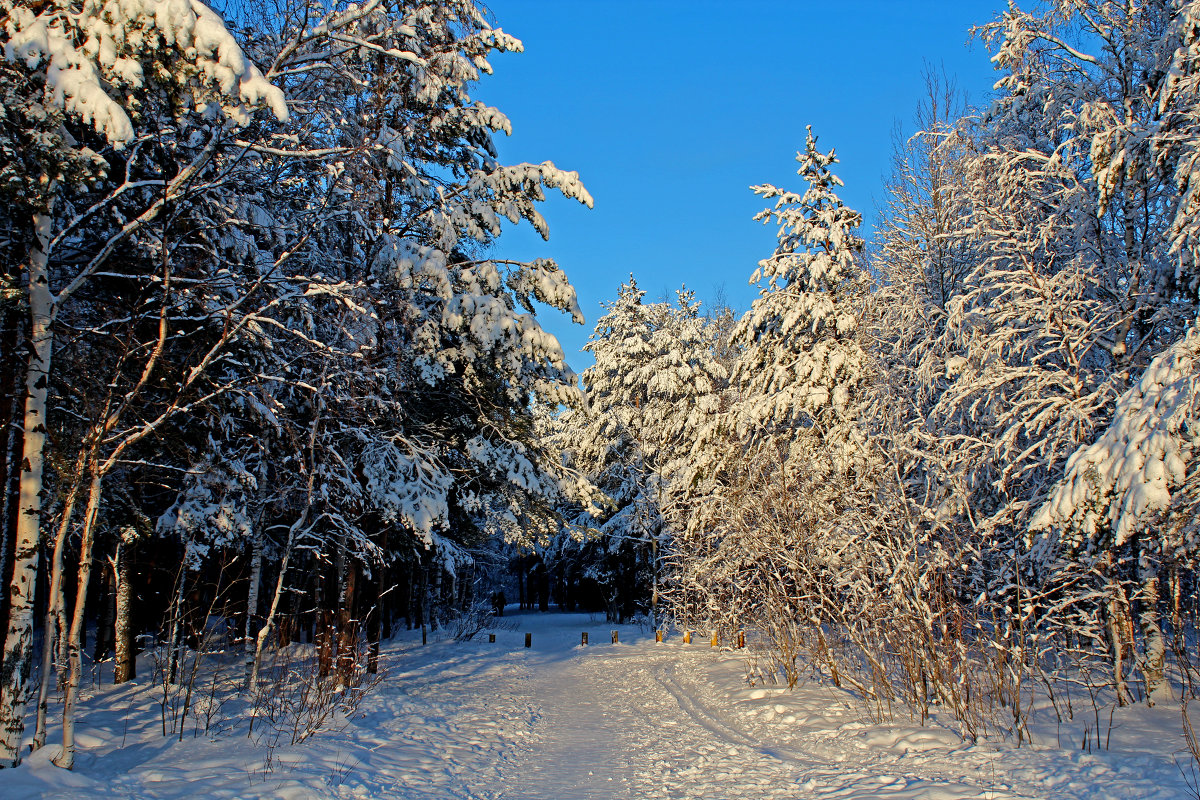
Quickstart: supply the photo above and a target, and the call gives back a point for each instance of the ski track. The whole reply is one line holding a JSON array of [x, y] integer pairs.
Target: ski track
[[479, 721]]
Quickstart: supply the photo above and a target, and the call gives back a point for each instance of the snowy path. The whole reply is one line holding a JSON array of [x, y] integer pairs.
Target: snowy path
[[481, 721], [583, 752]]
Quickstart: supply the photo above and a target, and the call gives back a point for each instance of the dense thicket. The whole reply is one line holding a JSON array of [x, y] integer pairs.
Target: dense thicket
[[960, 461], [265, 369]]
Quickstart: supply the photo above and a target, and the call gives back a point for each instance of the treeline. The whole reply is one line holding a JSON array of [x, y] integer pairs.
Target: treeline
[[954, 462], [264, 380], [261, 378]]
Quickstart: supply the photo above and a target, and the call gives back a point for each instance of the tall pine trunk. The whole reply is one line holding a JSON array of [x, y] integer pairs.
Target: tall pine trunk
[[18, 640], [106, 596], [378, 620], [348, 623]]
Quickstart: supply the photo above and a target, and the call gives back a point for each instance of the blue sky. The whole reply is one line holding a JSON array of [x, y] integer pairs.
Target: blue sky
[[670, 110]]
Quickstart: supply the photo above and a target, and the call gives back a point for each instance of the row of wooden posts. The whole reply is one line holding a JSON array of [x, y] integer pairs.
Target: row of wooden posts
[[739, 638]]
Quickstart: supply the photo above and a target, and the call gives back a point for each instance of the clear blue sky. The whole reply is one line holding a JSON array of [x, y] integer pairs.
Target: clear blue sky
[[669, 110]]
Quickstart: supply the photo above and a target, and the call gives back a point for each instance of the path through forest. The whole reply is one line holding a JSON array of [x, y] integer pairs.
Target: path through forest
[[494, 721]]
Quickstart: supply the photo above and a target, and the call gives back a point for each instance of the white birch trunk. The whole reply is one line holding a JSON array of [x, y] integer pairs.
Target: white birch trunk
[[11, 462], [126, 650], [264, 632], [1116, 632], [50, 636], [176, 617], [250, 641], [1154, 649], [66, 758], [18, 641], [53, 633]]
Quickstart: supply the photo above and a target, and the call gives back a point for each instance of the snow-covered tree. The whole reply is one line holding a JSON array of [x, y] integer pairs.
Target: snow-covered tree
[[917, 248], [801, 368], [654, 384], [89, 63], [309, 277], [1138, 482], [1068, 195], [794, 426]]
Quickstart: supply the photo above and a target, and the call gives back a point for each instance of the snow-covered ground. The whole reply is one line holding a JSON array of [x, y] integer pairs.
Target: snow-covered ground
[[560, 721]]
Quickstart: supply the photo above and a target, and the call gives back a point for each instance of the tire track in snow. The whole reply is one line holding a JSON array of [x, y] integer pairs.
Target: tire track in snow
[[841, 770], [711, 720]]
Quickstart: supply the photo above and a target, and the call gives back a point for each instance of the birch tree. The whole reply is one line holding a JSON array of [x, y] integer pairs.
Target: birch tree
[[84, 83]]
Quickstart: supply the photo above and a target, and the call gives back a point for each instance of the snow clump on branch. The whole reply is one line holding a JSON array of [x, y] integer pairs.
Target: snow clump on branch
[[118, 37]]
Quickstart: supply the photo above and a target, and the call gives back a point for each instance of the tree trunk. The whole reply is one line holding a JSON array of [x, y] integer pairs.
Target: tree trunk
[[106, 600], [66, 759], [433, 595], [260, 641], [421, 596], [18, 640], [54, 632], [347, 628], [12, 393], [410, 597], [51, 634], [377, 619], [125, 668], [543, 588], [654, 578], [1150, 622], [1117, 627], [248, 637], [175, 615], [521, 584], [326, 642], [379, 616]]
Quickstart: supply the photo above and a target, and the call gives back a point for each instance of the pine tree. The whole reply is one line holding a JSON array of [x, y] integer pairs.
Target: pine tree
[[788, 462], [800, 369]]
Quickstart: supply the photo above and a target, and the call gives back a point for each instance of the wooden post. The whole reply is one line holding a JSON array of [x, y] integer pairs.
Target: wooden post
[[658, 636], [491, 638], [615, 637], [529, 640], [687, 637], [583, 639], [424, 633], [741, 640], [715, 642]]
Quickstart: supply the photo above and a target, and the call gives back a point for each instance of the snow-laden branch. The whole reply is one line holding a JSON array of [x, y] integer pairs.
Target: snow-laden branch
[[89, 55], [1114, 485]]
